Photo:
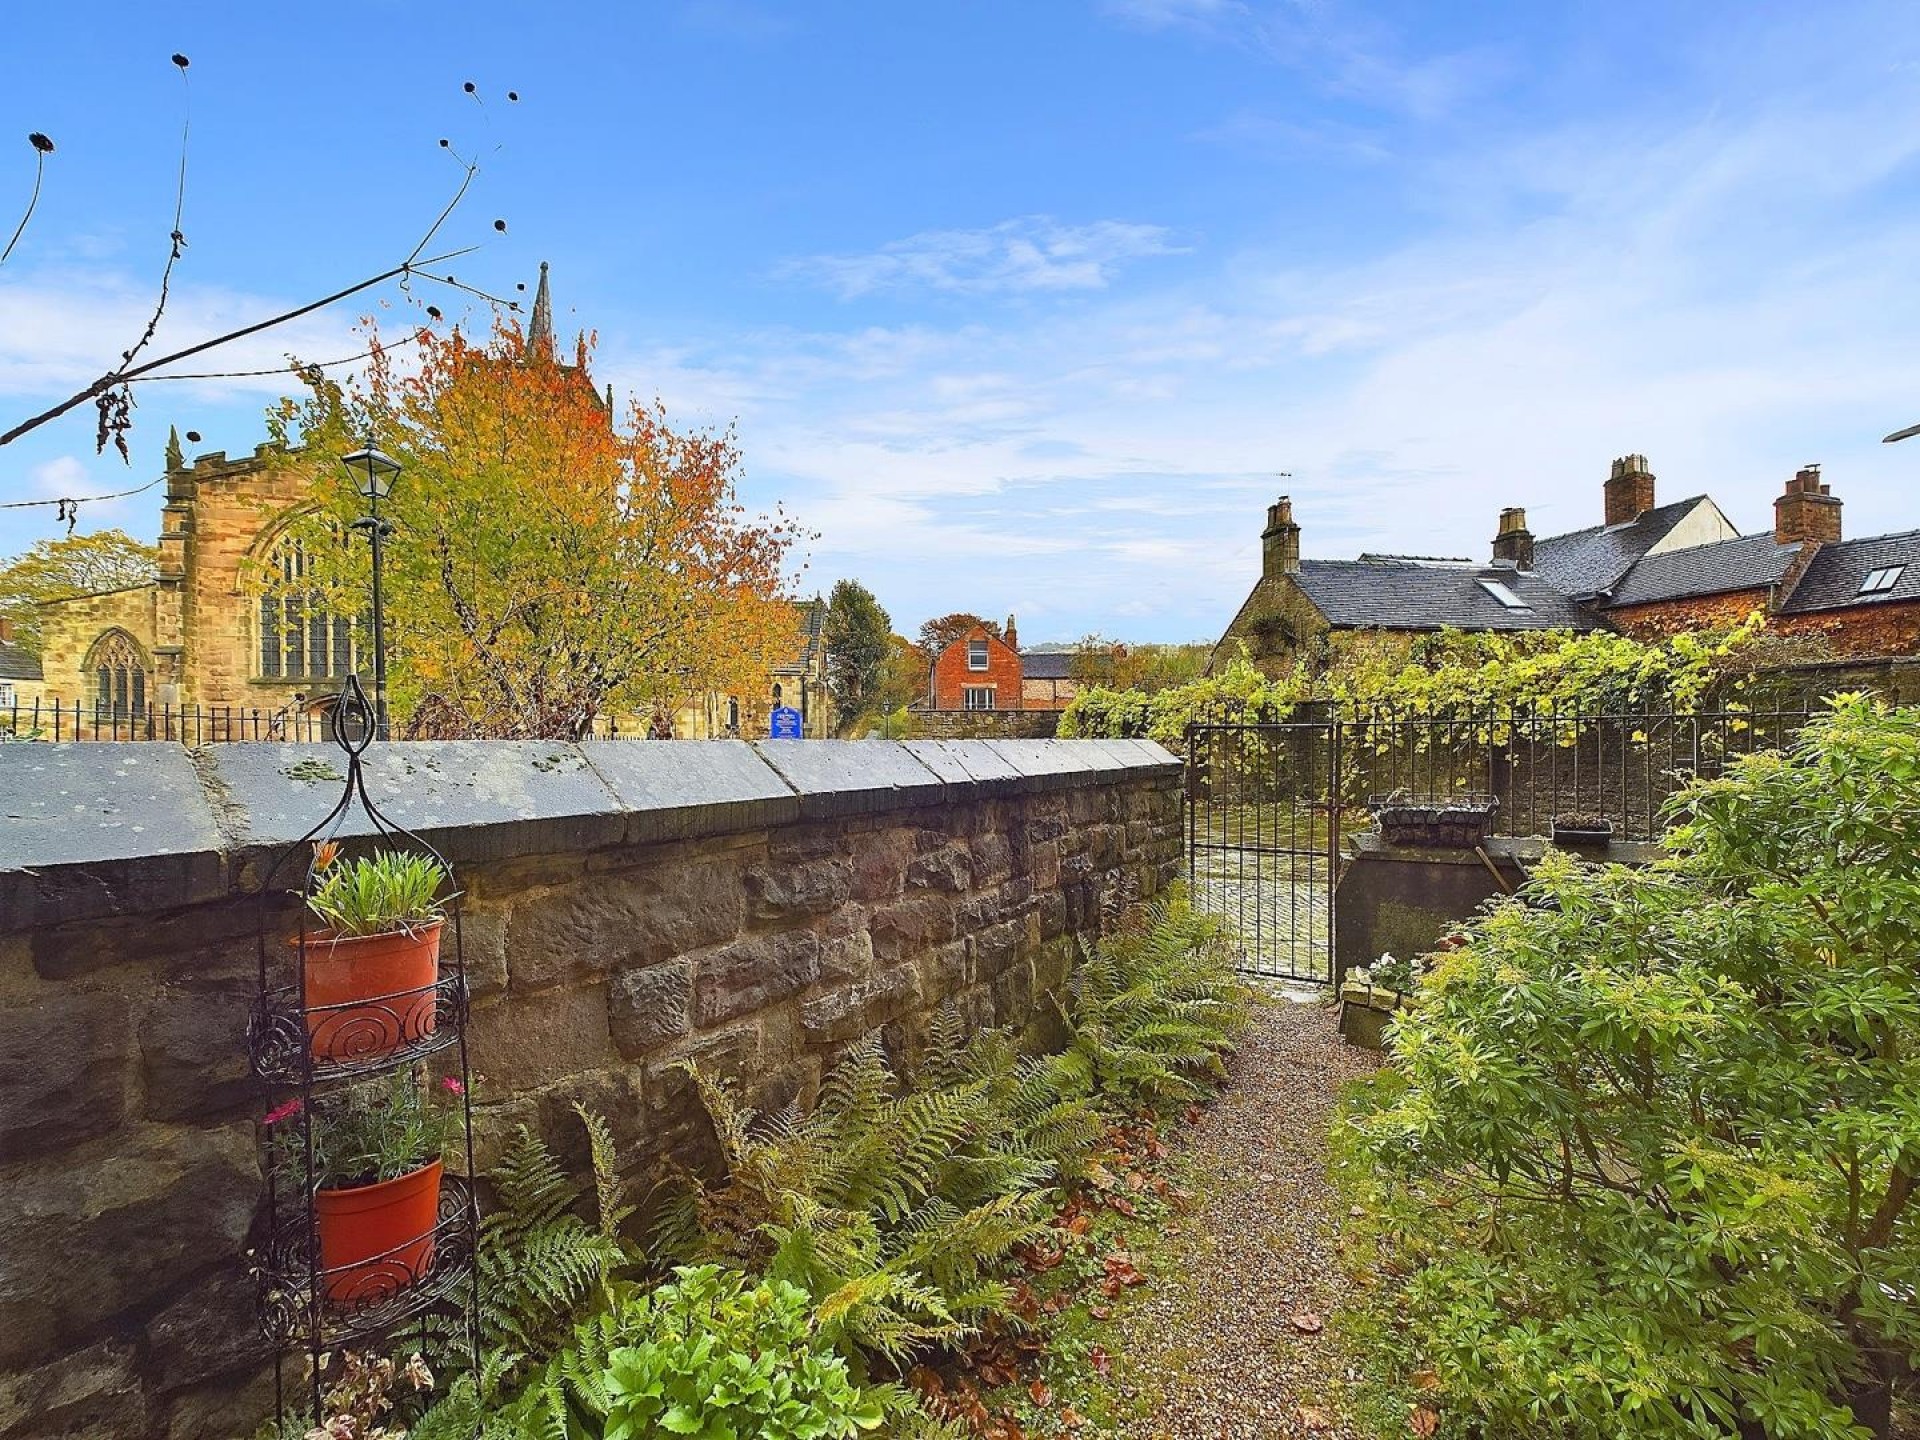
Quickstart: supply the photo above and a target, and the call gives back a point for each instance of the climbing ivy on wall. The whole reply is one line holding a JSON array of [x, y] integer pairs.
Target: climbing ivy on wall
[[1450, 672]]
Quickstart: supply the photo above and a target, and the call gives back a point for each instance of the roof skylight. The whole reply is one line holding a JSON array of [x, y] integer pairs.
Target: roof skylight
[[1499, 591], [1879, 582]]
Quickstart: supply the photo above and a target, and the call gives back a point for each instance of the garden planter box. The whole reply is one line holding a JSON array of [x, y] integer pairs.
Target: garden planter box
[[377, 1240], [1458, 824], [1365, 1011], [1582, 835], [369, 995]]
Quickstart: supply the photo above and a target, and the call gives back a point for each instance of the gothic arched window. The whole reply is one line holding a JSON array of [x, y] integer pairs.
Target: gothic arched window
[[119, 673], [301, 636]]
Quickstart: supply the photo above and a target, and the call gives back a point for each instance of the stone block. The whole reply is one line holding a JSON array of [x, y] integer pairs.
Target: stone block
[[992, 858], [193, 1051], [995, 948], [483, 948], [230, 1405], [178, 1199], [846, 1014], [880, 865], [526, 1041], [785, 887], [945, 970], [651, 1007], [575, 932], [1053, 914], [852, 777], [78, 1396], [475, 800], [846, 950], [947, 868], [65, 1060], [208, 1329], [102, 829], [910, 927], [753, 973], [680, 791]]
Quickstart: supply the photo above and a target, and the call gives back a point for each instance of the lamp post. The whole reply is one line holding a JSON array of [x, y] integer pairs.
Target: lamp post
[[373, 476]]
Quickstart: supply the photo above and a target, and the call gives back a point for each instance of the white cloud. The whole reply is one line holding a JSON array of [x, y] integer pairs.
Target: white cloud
[[1726, 295], [1034, 253]]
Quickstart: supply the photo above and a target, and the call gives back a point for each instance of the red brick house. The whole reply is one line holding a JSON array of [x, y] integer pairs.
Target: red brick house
[[979, 671], [983, 671]]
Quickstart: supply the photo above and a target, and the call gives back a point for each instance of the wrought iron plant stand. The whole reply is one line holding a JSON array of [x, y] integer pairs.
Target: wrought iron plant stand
[[310, 1055]]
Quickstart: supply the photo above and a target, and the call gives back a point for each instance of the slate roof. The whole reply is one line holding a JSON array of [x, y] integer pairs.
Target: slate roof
[[1046, 664], [1749, 562], [1833, 577], [811, 617], [1591, 561], [1408, 595], [17, 664]]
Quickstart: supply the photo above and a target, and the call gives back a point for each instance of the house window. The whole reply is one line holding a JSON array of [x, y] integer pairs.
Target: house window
[[301, 638], [1498, 590], [119, 675], [977, 655], [6, 694], [979, 697], [1880, 582]]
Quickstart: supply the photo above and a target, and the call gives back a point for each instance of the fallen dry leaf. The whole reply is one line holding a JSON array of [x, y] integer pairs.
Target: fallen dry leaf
[[1424, 1420], [1426, 1380], [1306, 1322], [1313, 1417]]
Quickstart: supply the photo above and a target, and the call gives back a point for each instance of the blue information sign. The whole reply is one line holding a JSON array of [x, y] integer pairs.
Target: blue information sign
[[786, 723]]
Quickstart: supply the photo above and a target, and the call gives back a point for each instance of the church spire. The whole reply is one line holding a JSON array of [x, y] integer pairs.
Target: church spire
[[540, 328], [175, 460]]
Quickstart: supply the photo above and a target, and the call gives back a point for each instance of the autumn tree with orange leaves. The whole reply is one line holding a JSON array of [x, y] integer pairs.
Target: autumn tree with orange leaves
[[551, 564]]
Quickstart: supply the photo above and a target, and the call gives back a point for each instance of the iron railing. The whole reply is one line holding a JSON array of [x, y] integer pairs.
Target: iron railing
[[202, 724]]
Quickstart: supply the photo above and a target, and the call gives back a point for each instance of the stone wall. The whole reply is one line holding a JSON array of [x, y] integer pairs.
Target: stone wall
[[627, 907], [986, 724]]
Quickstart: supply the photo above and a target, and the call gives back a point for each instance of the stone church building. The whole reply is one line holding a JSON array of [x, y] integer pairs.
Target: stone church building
[[201, 637]]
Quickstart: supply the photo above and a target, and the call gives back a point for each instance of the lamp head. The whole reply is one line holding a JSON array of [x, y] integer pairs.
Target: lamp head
[[373, 473]]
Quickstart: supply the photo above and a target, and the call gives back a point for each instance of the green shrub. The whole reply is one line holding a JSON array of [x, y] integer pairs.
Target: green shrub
[[1153, 1009], [710, 1356], [1645, 1165]]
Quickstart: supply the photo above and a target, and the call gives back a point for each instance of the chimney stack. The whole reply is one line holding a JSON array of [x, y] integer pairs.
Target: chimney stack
[[1280, 541], [1012, 636], [6, 632], [1629, 490], [1514, 542], [1808, 511]]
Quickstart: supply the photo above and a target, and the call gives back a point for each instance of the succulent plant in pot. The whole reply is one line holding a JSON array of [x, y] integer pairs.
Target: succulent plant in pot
[[370, 974], [378, 1156]]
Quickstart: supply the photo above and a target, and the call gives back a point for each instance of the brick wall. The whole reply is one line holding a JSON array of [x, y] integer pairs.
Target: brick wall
[[627, 907], [952, 677], [1859, 630], [1702, 612]]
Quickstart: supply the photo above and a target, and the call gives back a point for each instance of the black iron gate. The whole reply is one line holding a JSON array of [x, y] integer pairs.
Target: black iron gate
[[1263, 840]]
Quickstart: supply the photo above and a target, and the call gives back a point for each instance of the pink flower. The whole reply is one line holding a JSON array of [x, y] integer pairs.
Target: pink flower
[[281, 1112], [451, 1084]]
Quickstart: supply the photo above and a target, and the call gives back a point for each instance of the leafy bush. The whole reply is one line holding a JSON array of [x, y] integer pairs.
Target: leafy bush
[[1452, 672], [846, 1202], [709, 1356], [1645, 1166], [1153, 1009]]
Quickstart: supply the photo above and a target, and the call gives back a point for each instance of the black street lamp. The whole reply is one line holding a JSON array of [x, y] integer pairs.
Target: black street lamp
[[373, 476]]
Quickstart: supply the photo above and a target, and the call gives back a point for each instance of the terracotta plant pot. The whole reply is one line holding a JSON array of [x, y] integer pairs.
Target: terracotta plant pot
[[368, 995], [377, 1240]]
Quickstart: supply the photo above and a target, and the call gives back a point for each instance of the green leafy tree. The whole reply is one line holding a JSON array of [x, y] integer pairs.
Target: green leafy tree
[[1645, 1164], [60, 569], [937, 634], [858, 633]]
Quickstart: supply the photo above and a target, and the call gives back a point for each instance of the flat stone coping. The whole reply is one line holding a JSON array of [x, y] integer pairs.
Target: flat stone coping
[[90, 829]]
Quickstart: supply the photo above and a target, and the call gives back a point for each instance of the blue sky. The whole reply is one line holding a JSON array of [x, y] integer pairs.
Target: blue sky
[[1024, 306]]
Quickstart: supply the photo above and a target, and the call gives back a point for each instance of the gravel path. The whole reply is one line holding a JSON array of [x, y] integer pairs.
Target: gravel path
[[1214, 1347]]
